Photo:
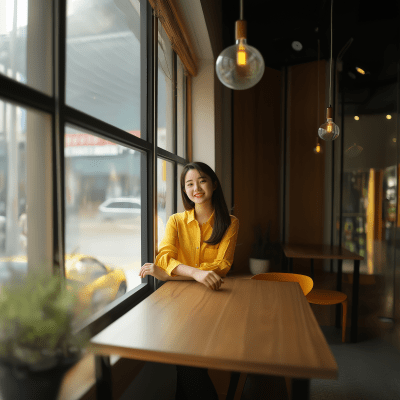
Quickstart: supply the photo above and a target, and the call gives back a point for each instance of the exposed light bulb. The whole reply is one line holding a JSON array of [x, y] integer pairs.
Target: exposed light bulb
[[356, 118], [240, 66], [241, 56], [318, 148], [360, 71], [329, 130], [388, 117]]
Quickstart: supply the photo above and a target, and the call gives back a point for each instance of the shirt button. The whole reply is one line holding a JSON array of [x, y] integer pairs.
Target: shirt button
[[197, 248], [196, 264]]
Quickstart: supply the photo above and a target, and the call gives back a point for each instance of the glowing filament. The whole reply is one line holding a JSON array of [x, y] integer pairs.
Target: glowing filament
[[318, 148], [329, 128], [241, 56]]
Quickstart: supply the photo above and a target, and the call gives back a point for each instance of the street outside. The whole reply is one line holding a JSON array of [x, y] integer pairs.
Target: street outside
[[115, 243]]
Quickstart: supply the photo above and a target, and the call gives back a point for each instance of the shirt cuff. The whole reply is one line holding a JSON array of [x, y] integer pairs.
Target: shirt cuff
[[171, 266]]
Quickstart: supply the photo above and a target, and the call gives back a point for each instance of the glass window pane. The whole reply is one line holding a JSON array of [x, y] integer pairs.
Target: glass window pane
[[165, 91], [180, 207], [26, 42], [165, 196], [14, 123], [181, 109], [103, 61], [103, 215], [369, 202]]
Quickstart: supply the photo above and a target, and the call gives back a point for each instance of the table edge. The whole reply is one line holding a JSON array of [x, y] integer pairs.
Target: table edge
[[221, 364]]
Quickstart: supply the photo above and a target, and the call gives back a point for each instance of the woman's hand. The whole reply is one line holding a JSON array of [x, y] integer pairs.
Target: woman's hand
[[153, 270], [208, 278]]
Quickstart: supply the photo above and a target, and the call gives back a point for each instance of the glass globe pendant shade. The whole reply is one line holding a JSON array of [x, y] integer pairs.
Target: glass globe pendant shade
[[329, 130], [240, 66]]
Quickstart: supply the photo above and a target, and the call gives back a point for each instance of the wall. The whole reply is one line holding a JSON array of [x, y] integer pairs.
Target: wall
[[306, 170], [203, 121], [256, 152]]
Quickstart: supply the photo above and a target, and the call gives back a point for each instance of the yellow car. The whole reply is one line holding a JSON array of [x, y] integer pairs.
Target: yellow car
[[97, 284]]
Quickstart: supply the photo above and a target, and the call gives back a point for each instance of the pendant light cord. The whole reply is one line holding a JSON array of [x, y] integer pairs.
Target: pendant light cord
[[241, 10], [318, 86], [330, 84]]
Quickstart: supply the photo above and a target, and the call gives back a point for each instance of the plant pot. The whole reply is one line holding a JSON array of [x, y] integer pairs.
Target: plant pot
[[259, 266], [24, 384]]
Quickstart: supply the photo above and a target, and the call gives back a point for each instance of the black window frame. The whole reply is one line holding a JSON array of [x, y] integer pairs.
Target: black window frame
[[61, 114]]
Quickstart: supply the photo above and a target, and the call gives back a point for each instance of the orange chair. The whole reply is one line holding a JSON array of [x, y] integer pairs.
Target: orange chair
[[305, 282], [314, 296], [329, 297]]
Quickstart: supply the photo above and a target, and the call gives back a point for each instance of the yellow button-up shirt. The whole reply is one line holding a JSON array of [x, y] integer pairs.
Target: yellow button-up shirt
[[183, 243]]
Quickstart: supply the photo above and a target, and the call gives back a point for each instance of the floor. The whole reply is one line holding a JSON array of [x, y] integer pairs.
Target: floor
[[368, 370]]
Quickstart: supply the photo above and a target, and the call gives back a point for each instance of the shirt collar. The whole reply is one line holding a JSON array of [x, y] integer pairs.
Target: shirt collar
[[191, 217]]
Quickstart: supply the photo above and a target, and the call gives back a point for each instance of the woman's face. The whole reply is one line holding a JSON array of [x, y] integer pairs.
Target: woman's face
[[198, 186]]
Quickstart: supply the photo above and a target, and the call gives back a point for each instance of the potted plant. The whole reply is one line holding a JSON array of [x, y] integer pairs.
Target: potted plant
[[265, 253], [37, 344]]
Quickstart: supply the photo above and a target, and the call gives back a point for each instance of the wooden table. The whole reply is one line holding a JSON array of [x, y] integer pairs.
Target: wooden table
[[248, 326], [330, 252]]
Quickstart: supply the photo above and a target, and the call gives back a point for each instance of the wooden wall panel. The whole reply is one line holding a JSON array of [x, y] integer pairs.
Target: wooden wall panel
[[256, 130], [306, 169]]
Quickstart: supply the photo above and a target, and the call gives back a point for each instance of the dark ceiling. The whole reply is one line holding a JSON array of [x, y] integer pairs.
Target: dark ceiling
[[373, 26]]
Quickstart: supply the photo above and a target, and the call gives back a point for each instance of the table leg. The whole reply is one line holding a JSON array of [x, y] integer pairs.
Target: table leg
[[354, 305], [233, 385], [300, 389], [291, 265], [312, 268], [103, 378], [339, 278]]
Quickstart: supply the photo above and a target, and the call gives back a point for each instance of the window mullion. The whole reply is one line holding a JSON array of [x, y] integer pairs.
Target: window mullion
[[59, 62]]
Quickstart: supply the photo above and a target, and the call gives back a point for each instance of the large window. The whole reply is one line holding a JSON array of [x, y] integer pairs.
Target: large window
[[76, 142], [25, 44], [165, 136], [103, 72]]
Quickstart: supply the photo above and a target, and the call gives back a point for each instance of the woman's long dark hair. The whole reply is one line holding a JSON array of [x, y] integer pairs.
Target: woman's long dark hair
[[222, 220]]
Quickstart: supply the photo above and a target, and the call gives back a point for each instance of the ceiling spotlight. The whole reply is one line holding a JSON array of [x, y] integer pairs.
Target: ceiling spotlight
[[356, 117], [297, 45], [388, 117], [360, 71]]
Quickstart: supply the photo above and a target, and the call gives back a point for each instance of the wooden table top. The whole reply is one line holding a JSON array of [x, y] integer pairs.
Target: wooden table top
[[319, 251], [248, 326]]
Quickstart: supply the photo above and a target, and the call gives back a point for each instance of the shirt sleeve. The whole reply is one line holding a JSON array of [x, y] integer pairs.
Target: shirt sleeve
[[222, 264], [168, 249]]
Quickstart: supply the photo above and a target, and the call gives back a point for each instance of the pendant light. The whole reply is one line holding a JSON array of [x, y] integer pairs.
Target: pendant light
[[329, 130], [240, 66], [318, 148]]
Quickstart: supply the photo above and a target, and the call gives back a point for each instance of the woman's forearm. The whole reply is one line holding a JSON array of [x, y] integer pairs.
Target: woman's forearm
[[180, 278], [184, 273]]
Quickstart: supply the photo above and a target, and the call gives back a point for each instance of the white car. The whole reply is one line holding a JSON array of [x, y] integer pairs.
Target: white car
[[120, 207]]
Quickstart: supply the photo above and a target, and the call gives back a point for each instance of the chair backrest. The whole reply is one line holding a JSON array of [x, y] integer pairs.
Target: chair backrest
[[305, 282]]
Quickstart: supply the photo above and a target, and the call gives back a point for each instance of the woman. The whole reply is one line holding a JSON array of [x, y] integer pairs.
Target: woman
[[199, 244]]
